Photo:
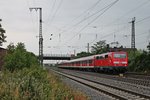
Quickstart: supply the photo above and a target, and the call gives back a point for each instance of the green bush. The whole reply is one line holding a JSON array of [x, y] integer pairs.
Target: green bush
[[141, 62], [25, 84], [34, 84], [18, 58], [24, 79]]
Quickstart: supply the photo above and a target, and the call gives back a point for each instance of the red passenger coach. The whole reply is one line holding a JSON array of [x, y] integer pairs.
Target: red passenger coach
[[111, 61]]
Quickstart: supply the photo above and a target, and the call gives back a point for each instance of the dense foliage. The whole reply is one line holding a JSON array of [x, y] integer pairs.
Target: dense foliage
[[18, 58], [2, 36], [23, 79], [34, 84], [100, 47], [140, 61], [83, 54], [24, 84]]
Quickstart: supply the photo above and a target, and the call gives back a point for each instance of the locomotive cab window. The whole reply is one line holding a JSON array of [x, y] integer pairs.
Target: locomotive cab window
[[106, 56], [100, 57], [119, 55]]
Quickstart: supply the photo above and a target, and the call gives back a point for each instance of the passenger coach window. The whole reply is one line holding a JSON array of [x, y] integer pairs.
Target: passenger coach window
[[97, 57], [101, 57], [90, 61], [85, 62]]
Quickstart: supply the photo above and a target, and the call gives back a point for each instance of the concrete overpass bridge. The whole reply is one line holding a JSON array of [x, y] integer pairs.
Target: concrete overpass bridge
[[57, 56]]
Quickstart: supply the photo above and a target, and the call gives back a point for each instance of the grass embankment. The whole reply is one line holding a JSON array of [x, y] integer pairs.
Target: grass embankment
[[35, 84]]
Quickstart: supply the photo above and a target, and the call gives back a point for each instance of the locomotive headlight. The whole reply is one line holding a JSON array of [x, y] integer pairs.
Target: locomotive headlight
[[124, 62], [116, 62]]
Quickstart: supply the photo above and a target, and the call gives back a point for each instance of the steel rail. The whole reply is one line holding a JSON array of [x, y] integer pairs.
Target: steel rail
[[96, 86]]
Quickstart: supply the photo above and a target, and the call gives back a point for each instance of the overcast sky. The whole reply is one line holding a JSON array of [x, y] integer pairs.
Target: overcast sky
[[74, 23]]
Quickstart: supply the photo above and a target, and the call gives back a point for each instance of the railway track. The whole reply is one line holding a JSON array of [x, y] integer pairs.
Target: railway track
[[143, 80], [117, 93], [138, 76]]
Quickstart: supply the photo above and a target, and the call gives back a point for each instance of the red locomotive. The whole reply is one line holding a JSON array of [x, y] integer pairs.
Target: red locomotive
[[111, 61]]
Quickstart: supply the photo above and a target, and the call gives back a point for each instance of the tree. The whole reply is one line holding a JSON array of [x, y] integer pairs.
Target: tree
[[148, 47], [142, 61], [2, 36], [18, 58], [100, 47], [83, 54], [10, 48], [20, 46]]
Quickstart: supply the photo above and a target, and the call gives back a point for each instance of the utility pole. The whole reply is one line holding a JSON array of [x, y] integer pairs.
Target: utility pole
[[88, 46], [133, 38], [133, 33], [74, 52], [40, 35]]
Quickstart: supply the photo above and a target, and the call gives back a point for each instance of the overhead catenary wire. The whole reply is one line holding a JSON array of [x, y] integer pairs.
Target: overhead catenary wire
[[137, 35], [139, 21], [53, 6], [146, 18], [129, 12], [53, 16], [58, 7], [105, 36], [51, 10], [122, 29], [88, 10], [104, 10], [138, 43], [50, 19], [91, 15], [28, 6], [134, 9]]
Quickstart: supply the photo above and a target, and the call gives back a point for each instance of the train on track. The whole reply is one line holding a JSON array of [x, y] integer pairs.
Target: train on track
[[106, 62]]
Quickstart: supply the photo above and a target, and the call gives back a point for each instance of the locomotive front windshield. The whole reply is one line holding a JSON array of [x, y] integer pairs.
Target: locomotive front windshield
[[116, 55]]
